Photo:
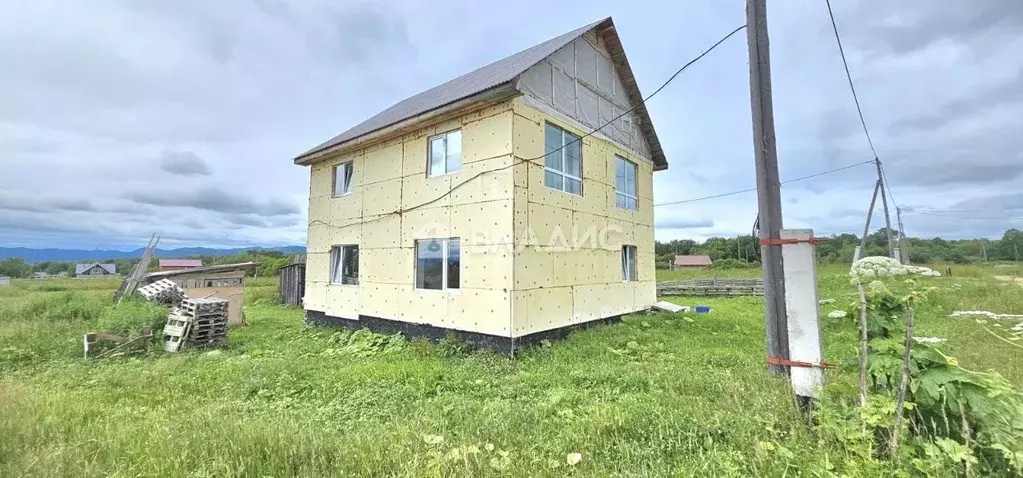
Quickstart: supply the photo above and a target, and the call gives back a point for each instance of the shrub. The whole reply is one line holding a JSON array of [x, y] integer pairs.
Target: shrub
[[131, 315], [729, 264]]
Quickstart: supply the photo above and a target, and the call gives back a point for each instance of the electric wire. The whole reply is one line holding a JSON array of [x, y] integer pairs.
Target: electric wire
[[531, 160], [822, 173], [848, 76]]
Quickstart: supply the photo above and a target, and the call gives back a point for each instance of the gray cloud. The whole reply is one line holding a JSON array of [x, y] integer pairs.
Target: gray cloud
[[27, 201], [214, 199], [184, 163]]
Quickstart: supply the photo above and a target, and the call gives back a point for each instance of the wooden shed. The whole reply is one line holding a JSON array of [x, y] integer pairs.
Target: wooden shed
[[226, 281], [291, 282]]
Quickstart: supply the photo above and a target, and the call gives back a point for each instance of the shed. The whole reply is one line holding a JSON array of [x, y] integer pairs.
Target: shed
[[5, 281], [225, 281], [179, 264], [691, 262], [291, 281]]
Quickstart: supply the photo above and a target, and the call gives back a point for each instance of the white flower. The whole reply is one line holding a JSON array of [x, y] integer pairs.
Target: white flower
[[928, 340], [837, 314], [433, 439], [878, 266], [574, 458]]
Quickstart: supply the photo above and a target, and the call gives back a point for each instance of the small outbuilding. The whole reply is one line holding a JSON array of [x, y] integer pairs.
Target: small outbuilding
[[225, 281], [291, 281], [691, 262], [4, 281], [179, 264], [95, 269]]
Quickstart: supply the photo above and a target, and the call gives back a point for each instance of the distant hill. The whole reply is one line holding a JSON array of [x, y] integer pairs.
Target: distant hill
[[82, 255]]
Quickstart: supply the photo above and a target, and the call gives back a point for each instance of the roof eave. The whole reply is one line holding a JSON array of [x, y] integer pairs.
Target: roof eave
[[473, 102]]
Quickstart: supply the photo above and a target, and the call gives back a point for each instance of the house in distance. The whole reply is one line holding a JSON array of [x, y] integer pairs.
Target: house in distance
[[489, 205], [94, 269], [691, 262]]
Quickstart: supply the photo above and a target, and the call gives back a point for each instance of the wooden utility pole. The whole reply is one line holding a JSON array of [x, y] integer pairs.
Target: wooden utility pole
[[884, 203], [866, 225], [768, 185], [903, 242]]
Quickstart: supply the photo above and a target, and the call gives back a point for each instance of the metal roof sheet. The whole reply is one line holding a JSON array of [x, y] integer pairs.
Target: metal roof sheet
[[499, 73]]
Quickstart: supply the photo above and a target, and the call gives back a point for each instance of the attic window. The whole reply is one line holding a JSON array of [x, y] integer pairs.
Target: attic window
[[445, 155], [343, 179], [563, 160]]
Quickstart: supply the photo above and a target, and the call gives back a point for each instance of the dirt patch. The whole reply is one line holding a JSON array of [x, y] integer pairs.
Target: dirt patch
[[1016, 280]]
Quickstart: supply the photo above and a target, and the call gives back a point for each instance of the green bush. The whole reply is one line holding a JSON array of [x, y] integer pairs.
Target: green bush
[[128, 317], [729, 264]]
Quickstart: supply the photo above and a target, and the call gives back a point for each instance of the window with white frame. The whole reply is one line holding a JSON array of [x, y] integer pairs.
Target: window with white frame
[[563, 168], [438, 263], [629, 263], [344, 265], [625, 183], [445, 153], [343, 179]]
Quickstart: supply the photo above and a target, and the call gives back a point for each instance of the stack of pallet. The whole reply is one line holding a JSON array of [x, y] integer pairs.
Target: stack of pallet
[[164, 290], [196, 323]]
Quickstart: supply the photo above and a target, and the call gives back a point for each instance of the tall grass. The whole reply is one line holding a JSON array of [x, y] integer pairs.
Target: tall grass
[[657, 395]]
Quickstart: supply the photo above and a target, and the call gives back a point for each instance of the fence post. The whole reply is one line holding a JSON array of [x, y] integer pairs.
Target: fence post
[[799, 265]]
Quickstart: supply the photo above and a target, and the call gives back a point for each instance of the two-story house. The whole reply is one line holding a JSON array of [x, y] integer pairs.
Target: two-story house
[[509, 204]]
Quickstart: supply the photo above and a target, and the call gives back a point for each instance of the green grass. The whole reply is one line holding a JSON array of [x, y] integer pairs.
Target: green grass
[[656, 395]]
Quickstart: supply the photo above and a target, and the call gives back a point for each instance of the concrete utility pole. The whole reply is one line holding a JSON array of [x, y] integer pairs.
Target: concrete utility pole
[[768, 185], [884, 203]]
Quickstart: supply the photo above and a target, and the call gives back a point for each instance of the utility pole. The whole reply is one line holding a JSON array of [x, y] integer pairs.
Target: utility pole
[[768, 185], [983, 250], [866, 225], [903, 242], [884, 203], [1015, 249]]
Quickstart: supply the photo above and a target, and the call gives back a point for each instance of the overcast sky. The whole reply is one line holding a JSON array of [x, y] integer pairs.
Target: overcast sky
[[121, 118]]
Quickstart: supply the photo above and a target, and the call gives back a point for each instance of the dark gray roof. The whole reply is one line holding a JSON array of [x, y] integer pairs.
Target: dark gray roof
[[501, 72]]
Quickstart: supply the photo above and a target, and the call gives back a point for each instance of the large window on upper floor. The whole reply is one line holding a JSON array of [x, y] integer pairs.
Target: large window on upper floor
[[445, 153], [625, 183], [563, 166], [342, 179]]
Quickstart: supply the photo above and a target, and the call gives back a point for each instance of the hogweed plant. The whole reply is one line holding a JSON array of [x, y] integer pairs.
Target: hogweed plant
[[922, 400]]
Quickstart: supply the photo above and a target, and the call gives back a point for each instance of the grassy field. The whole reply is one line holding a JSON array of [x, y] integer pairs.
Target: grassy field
[[655, 395]]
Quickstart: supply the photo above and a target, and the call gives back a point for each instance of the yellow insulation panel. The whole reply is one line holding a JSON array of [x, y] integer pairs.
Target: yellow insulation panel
[[486, 138], [386, 266]]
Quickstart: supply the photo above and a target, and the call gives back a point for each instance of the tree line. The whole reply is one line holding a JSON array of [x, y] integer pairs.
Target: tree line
[[269, 261], [744, 251]]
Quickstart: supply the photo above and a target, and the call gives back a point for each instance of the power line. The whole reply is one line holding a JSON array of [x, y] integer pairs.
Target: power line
[[927, 209], [530, 160], [884, 177], [843, 168], [849, 77], [928, 213]]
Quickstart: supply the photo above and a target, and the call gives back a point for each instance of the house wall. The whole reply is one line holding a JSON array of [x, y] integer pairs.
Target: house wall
[[580, 82], [556, 286], [391, 176]]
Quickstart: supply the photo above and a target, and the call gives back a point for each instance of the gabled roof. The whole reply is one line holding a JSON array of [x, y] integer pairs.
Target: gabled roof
[[180, 263], [110, 268], [503, 73], [692, 260]]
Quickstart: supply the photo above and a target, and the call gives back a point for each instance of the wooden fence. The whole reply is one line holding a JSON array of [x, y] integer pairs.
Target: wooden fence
[[291, 286], [712, 287]]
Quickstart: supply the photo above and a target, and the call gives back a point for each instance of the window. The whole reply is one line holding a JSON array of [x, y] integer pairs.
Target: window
[[563, 160], [445, 155], [438, 263], [344, 265], [625, 183], [629, 263], [343, 179]]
